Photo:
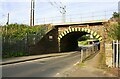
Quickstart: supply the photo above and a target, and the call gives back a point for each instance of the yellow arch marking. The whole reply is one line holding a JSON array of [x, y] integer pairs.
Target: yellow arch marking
[[88, 30], [85, 30], [75, 29], [100, 38], [58, 38], [72, 29], [91, 32], [80, 29], [62, 34], [97, 36], [67, 31]]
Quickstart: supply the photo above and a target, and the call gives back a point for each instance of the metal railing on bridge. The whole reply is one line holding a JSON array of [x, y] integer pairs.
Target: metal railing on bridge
[[79, 17]]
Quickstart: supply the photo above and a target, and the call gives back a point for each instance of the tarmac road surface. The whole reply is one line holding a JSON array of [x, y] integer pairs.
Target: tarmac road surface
[[46, 67]]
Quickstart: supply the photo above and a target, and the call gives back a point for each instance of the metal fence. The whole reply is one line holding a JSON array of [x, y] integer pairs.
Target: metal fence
[[88, 51], [20, 47], [116, 54], [78, 17]]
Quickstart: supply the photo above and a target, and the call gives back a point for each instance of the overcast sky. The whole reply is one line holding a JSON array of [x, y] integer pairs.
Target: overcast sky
[[19, 10]]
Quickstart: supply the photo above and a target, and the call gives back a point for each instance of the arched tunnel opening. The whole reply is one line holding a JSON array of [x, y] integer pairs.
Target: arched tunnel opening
[[70, 41]]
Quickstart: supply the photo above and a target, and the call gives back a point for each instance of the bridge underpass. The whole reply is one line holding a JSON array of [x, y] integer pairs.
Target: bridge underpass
[[70, 41]]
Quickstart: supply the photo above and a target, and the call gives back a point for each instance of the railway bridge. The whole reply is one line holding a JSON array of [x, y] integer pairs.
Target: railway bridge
[[64, 37]]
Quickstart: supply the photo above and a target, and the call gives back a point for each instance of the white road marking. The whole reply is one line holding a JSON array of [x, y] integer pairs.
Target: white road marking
[[57, 73], [76, 63]]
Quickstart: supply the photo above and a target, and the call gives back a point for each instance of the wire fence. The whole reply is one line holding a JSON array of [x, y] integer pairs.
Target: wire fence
[[13, 45]]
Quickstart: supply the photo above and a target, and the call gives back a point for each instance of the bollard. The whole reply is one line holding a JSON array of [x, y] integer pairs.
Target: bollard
[[96, 48], [90, 50], [81, 58], [83, 54], [87, 52], [93, 49]]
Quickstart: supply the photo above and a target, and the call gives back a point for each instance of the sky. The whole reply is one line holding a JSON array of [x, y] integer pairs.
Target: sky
[[76, 10]]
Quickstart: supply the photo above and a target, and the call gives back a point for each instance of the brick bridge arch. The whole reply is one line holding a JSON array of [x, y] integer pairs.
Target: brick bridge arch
[[68, 38], [51, 42], [95, 34]]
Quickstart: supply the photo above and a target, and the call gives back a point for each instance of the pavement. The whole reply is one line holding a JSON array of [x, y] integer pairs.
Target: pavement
[[29, 58], [87, 69]]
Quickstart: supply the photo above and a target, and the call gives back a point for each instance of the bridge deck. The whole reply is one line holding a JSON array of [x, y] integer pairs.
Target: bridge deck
[[97, 22]]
